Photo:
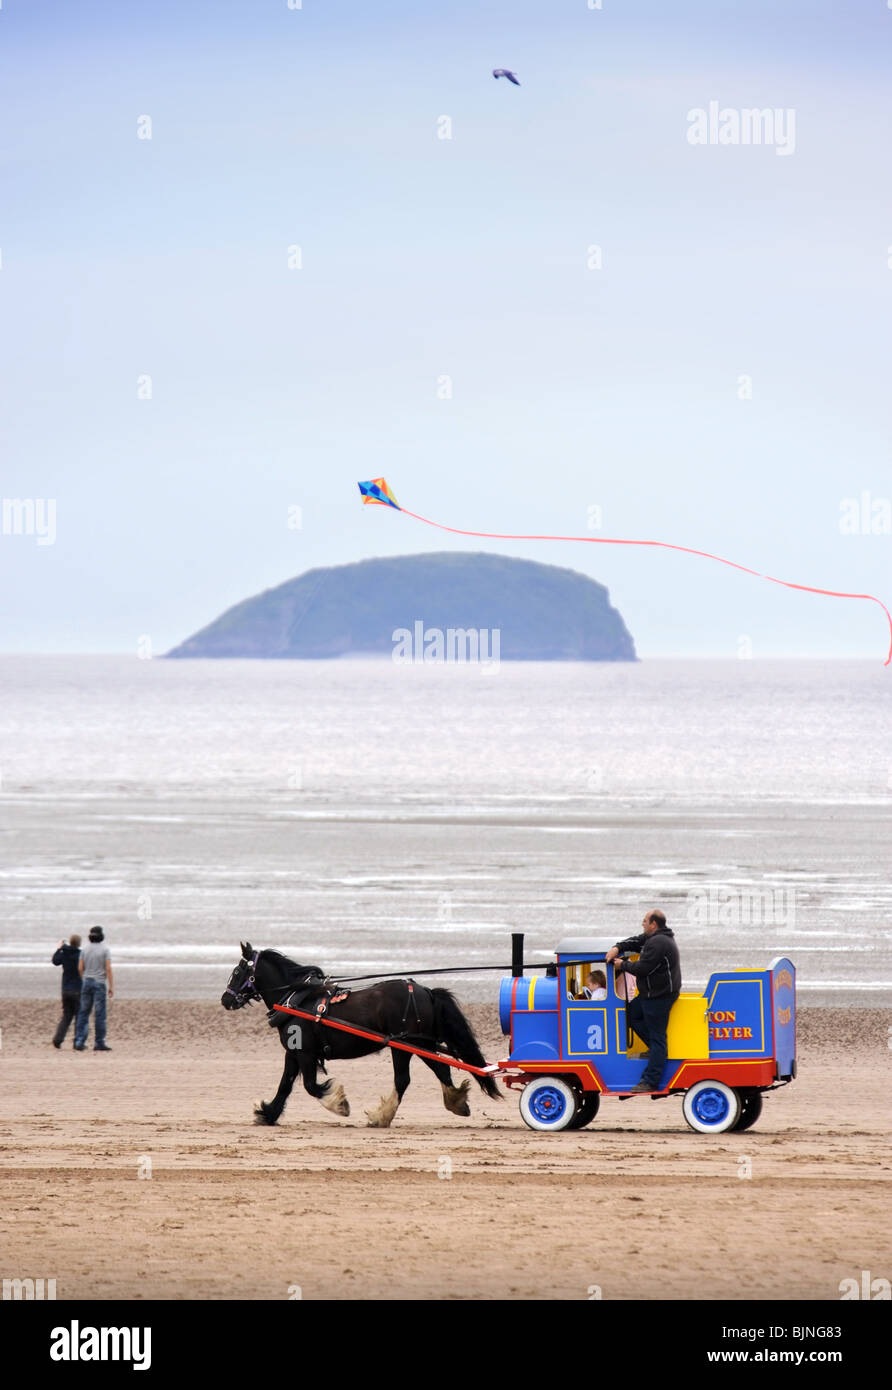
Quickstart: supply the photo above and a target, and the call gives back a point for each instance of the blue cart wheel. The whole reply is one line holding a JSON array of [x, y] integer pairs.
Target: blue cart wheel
[[711, 1107], [548, 1103]]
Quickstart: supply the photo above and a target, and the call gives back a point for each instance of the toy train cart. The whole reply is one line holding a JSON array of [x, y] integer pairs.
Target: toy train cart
[[726, 1046]]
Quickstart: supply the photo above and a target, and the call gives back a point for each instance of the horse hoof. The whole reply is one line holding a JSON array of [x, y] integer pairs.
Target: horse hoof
[[455, 1099], [336, 1100], [382, 1115], [260, 1115]]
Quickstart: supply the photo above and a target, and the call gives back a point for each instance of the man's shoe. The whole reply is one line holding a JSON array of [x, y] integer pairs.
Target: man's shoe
[[78, 1047], [642, 1088], [101, 1047], [56, 1044]]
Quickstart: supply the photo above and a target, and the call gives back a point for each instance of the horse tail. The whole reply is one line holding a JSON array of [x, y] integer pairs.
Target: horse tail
[[453, 1029]]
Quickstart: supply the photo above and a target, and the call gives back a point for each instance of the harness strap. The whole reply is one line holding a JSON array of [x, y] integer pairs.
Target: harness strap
[[410, 999]]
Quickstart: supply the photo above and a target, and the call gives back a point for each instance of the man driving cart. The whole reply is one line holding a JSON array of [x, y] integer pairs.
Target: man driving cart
[[657, 973]]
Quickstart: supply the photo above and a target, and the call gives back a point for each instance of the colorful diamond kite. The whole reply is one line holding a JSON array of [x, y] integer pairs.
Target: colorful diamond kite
[[378, 493]]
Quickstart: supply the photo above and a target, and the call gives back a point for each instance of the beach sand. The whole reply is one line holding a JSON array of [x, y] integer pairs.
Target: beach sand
[[636, 1206]]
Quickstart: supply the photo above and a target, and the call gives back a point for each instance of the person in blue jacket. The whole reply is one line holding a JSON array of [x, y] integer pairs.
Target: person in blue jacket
[[657, 973], [69, 959]]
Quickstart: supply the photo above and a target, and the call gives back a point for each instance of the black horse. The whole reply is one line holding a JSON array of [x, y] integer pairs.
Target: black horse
[[429, 1018]]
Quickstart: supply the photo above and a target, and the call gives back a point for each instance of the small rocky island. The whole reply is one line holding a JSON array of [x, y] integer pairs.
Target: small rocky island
[[424, 605]]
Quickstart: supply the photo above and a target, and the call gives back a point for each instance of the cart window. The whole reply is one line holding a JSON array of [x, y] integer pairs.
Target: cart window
[[574, 988], [587, 981]]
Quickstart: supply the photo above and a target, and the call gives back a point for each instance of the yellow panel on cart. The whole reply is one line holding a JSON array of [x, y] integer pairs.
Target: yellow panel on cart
[[688, 1032]]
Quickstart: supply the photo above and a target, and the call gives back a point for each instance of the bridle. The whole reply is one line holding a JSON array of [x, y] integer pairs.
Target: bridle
[[247, 992], [248, 983]]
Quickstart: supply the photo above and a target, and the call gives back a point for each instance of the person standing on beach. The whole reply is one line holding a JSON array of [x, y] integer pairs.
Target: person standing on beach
[[68, 957], [657, 973], [95, 968]]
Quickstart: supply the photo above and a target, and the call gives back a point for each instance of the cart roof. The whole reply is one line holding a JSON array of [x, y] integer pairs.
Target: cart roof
[[583, 947]]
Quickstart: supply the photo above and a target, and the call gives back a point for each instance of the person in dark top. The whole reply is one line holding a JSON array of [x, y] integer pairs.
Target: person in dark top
[[657, 973], [69, 959]]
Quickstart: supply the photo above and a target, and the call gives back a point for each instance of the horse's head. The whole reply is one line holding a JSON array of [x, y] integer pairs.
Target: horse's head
[[242, 989]]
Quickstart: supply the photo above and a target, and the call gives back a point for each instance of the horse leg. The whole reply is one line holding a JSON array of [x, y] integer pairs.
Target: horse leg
[[330, 1094], [268, 1112], [455, 1098], [382, 1115]]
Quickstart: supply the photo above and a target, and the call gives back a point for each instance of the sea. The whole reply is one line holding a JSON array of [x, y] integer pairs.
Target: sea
[[371, 817]]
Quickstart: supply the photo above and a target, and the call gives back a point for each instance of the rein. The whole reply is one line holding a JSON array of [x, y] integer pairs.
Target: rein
[[453, 970]]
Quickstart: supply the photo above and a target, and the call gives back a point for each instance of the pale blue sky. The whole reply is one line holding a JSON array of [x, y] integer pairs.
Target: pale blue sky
[[423, 257]]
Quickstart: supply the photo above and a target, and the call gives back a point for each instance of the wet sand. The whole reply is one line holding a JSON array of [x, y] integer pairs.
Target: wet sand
[[437, 1207]]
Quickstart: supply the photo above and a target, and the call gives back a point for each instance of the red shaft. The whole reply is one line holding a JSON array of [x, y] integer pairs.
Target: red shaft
[[388, 1042]]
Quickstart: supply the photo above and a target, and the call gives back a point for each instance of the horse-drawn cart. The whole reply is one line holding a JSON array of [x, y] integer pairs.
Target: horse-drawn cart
[[726, 1046]]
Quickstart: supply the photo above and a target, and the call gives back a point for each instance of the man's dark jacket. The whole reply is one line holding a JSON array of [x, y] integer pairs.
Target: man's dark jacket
[[68, 957], [658, 969]]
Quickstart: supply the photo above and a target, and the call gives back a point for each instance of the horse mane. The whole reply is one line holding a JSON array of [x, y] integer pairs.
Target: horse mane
[[292, 970]]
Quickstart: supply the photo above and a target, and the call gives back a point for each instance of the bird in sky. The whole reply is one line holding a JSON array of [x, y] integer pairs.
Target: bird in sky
[[503, 72]]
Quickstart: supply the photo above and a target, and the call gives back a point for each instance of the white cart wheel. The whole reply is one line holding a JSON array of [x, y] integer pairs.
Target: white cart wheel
[[548, 1103], [711, 1107]]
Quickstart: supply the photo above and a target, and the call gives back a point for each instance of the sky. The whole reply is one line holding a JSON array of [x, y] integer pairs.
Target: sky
[[715, 374]]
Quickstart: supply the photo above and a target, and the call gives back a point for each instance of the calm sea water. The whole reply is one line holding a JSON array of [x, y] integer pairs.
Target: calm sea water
[[366, 816]]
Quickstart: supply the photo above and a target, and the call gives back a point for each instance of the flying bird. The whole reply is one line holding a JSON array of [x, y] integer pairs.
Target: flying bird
[[503, 72]]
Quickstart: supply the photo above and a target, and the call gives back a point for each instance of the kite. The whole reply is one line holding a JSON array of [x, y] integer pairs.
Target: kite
[[378, 492], [503, 72]]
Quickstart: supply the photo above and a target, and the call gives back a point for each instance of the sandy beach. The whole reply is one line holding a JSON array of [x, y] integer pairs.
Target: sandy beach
[[636, 1206]]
